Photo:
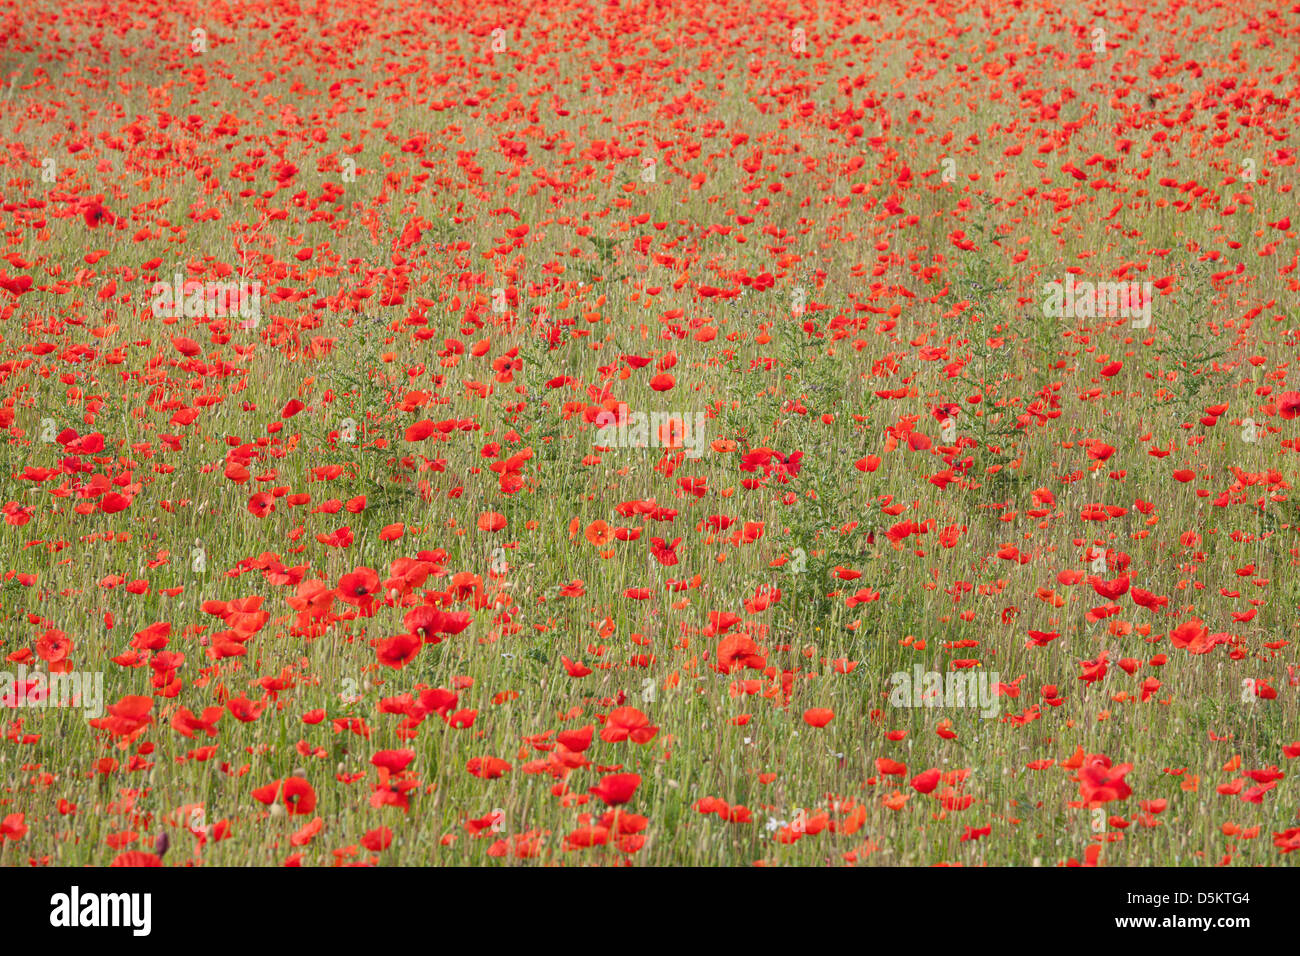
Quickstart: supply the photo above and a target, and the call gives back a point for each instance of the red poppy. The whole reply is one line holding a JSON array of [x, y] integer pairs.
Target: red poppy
[[53, 646], [359, 587], [628, 723], [430, 623], [137, 858], [818, 716], [616, 789], [299, 797], [93, 212], [1099, 782], [1288, 405], [489, 768], [736, 651], [399, 650]]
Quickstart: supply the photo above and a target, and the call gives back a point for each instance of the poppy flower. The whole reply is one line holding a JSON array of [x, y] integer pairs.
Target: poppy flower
[[137, 858], [616, 789], [359, 587], [299, 797], [736, 651], [818, 716], [488, 768], [430, 623], [12, 827], [491, 521], [1099, 782], [94, 212], [599, 533], [628, 723], [576, 740], [398, 651], [926, 781], [53, 646], [394, 761]]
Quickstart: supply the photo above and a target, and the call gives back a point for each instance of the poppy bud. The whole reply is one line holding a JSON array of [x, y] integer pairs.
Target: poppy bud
[[161, 845]]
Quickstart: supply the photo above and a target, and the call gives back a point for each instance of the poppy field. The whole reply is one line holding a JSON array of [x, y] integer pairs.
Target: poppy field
[[703, 434]]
